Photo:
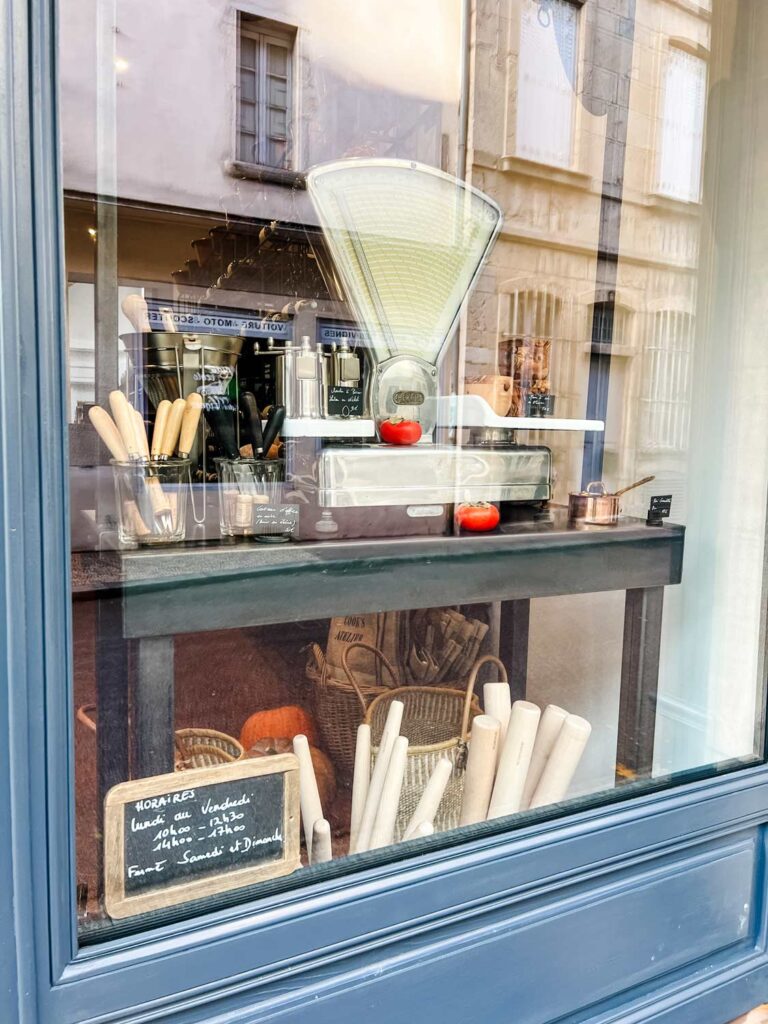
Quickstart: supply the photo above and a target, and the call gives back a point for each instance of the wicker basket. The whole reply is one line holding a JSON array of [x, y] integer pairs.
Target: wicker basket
[[338, 705], [436, 721], [195, 748], [205, 748]]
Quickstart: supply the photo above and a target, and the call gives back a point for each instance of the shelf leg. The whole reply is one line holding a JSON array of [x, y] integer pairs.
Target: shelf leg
[[153, 708], [639, 683], [112, 655], [513, 643]]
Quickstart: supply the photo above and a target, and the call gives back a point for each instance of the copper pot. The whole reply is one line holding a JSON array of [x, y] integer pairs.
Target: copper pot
[[596, 506]]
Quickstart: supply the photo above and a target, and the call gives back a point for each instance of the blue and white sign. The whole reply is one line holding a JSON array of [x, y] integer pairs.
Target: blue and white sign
[[332, 331], [215, 320]]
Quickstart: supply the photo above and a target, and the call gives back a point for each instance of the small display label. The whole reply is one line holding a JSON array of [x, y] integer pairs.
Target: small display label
[[660, 506], [344, 402], [539, 405], [275, 519], [408, 398]]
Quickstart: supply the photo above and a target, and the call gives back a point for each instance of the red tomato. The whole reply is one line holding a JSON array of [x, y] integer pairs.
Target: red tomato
[[397, 431], [477, 516]]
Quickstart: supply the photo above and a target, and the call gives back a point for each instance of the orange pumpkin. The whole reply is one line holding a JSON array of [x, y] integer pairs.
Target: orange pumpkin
[[324, 773], [287, 721]]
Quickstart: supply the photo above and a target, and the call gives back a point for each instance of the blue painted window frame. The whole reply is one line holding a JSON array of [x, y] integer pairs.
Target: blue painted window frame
[[309, 954]]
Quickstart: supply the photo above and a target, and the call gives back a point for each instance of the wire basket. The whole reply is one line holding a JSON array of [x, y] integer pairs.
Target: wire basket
[[436, 722]]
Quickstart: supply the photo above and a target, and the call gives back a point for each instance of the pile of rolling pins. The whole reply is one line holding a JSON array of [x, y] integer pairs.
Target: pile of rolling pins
[[518, 759]]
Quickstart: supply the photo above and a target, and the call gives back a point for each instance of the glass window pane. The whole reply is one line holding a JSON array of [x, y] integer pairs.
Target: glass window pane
[[277, 59], [248, 50], [276, 122], [546, 81], [277, 92], [470, 480], [247, 86]]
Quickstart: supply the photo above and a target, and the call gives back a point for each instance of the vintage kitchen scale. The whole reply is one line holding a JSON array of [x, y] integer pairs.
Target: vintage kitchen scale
[[407, 242]]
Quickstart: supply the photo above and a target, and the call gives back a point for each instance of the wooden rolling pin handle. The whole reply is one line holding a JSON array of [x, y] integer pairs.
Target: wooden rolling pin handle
[[135, 308], [142, 442], [105, 427], [311, 808], [172, 429], [322, 850], [125, 422], [161, 421], [189, 423]]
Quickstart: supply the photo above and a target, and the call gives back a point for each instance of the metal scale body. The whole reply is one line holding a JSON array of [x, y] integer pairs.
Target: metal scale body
[[408, 242]]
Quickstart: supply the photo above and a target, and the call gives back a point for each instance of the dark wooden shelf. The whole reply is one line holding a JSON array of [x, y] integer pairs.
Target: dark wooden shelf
[[214, 586]]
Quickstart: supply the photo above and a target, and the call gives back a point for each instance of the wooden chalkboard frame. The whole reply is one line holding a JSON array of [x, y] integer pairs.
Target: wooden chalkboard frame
[[119, 904]]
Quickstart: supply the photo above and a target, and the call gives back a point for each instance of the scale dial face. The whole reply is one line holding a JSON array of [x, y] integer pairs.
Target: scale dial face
[[406, 387]]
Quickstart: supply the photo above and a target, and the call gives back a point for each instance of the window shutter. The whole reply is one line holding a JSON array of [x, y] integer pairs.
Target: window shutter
[[681, 135], [546, 81]]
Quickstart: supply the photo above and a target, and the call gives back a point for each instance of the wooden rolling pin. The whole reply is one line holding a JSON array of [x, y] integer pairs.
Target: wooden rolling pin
[[481, 769], [563, 762], [322, 849], [125, 422], [515, 760], [497, 702], [173, 429], [161, 422], [189, 423], [105, 427], [429, 802], [389, 735], [309, 795], [360, 781], [383, 831], [425, 828], [549, 729], [135, 308]]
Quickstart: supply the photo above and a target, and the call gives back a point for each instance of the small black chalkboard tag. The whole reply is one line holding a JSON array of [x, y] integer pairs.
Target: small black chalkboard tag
[[175, 838], [539, 405], [659, 508], [344, 402]]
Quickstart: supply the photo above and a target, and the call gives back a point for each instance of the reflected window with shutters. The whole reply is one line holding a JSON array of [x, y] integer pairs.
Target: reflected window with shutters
[[546, 81], [264, 93], [681, 126]]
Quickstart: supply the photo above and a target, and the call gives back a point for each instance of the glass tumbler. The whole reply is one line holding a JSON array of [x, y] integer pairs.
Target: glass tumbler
[[151, 501], [247, 486]]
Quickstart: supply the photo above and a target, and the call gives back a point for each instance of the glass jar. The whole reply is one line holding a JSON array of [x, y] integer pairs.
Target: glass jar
[[151, 501], [251, 499]]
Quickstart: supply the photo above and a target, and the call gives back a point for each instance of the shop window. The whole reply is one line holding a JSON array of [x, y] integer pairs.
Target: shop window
[[681, 126], [294, 510], [265, 94], [546, 81]]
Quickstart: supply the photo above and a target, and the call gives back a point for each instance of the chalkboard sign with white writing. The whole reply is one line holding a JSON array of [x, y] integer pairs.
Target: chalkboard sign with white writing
[[275, 519], [344, 402], [175, 838]]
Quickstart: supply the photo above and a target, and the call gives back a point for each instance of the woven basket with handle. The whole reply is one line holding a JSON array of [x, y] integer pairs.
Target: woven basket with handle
[[336, 708], [436, 722]]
